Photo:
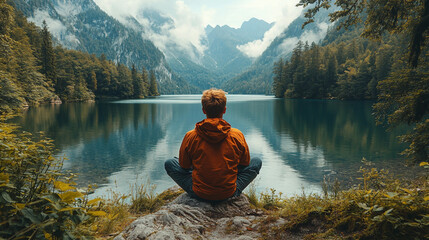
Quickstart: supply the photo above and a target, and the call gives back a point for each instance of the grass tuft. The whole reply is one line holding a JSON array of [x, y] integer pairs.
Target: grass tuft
[[119, 210], [381, 207]]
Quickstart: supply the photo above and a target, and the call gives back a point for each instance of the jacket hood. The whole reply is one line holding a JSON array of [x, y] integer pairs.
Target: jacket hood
[[213, 130]]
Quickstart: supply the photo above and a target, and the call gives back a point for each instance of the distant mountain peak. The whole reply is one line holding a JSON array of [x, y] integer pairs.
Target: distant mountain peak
[[208, 29], [254, 21], [82, 25], [250, 30]]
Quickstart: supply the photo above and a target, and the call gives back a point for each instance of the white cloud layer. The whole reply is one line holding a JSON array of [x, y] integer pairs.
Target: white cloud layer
[[185, 34], [256, 48], [308, 36], [57, 29], [191, 16]]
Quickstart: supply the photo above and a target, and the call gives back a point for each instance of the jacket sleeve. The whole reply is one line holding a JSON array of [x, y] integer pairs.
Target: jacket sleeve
[[184, 160], [245, 155]]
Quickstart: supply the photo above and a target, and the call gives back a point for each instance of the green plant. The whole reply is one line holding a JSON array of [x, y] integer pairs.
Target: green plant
[[144, 199], [112, 213], [37, 200], [329, 187], [382, 207], [252, 195], [271, 200]]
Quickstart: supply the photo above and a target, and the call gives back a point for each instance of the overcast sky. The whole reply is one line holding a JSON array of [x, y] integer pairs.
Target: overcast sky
[[192, 16], [213, 12]]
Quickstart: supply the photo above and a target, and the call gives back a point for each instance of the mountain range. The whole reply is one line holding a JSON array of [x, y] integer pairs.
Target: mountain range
[[82, 25], [220, 59], [181, 67], [258, 78]]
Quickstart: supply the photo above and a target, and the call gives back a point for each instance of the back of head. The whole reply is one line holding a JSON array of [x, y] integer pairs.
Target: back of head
[[214, 102]]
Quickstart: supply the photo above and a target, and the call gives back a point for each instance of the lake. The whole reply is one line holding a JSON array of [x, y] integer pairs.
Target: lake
[[119, 143]]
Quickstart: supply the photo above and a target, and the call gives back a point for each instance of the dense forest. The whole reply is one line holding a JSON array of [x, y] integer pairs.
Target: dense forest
[[35, 70], [349, 67], [355, 68], [373, 56]]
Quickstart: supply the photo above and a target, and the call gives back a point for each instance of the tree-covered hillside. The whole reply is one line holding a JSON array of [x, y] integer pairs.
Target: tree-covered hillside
[[346, 67], [393, 67], [34, 71], [258, 78], [81, 25]]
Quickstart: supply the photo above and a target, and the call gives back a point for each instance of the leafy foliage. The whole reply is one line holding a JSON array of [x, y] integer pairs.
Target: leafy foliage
[[356, 68], [393, 16], [113, 213], [37, 201], [382, 207], [404, 98], [403, 89]]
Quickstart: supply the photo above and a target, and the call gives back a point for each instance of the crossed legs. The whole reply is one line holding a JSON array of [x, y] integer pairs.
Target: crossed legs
[[183, 177]]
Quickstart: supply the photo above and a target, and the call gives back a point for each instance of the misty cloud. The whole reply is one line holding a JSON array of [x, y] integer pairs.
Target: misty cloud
[[309, 36], [56, 27], [288, 45], [186, 33], [256, 48]]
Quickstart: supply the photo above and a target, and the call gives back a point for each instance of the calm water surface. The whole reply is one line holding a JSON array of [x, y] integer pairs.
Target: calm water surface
[[119, 143]]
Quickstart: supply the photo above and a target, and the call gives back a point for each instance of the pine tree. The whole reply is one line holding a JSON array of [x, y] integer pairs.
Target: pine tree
[[279, 87], [383, 62], [298, 68], [145, 80], [153, 88], [93, 81], [125, 89], [380, 16], [6, 17], [137, 83], [317, 87], [372, 84], [286, 77], [341, 53], [362, 80], [48, 57], [331, 76]]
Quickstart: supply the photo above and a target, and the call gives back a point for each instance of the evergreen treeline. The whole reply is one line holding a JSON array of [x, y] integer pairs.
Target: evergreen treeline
[[346, 69], [350, 67], [33, 71]]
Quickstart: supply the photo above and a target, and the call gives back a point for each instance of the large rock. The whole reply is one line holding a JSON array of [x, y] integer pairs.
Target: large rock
[[188, 218]]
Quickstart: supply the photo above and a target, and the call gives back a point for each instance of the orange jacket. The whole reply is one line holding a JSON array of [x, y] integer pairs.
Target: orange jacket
[[214, 150]]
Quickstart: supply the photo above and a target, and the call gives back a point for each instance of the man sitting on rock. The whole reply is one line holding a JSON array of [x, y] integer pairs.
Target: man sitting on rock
[[214, 162]]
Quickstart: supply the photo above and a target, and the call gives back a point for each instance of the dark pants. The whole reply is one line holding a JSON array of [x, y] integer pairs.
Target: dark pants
[[183, 177]]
